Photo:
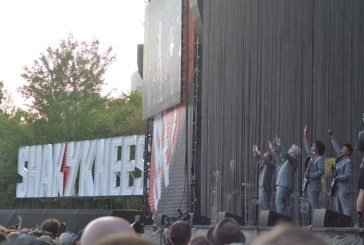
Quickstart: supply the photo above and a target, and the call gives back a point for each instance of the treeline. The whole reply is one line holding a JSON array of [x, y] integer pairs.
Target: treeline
[[62, 91]]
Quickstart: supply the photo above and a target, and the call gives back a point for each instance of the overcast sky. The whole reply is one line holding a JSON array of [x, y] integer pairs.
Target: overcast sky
[[29, 27]]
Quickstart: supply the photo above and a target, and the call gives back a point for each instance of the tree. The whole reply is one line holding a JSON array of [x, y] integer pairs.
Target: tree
[[6, 102], [121, 116], [13, 134], [64, 87], [112, 117]]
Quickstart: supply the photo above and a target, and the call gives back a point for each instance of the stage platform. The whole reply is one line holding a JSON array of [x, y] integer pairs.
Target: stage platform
[[332, 236]]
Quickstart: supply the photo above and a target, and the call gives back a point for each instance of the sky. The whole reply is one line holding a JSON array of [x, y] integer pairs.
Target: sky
[[29, 27]]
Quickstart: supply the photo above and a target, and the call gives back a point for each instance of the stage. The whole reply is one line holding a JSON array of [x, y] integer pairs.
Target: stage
[[332, 236]]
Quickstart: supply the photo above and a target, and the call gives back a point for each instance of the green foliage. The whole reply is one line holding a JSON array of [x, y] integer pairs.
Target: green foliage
[[63, 87], [6, 103], [121, 116], [12, 135]]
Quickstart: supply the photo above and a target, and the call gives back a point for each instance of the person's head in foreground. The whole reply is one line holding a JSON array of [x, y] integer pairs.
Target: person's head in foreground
[[226, 231], [286, 234], [103, 226]]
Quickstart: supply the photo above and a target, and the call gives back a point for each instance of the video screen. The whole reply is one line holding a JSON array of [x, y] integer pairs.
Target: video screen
[[162, 56]]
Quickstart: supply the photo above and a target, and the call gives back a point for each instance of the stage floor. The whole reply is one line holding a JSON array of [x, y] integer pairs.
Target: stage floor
[[332, 236]]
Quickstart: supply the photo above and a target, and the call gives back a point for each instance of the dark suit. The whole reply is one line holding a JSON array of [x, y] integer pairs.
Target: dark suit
[[317, 169], [344, 169], [265, 182], [284, 181]]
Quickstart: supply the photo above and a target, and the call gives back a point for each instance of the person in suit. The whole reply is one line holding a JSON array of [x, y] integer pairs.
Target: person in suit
[[284, 182], [266, 168], [343, 171], [360, 199], [314, 170]]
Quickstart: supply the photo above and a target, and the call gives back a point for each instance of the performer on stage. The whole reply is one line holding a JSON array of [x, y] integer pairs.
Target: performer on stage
[[284, 181], [360, 199], [342, 174], [266, 168], [314, 170]]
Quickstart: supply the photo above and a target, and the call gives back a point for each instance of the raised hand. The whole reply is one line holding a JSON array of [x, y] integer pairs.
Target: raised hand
[[20, 218], [305, 130], [330, 132], [255, 150], [277, 141]]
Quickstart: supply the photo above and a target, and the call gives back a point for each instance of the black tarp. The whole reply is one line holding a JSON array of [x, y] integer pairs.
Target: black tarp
[[271, 67]]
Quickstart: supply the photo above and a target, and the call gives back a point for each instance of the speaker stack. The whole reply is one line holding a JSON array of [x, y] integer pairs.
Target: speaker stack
[[330, 218], [270, 218], [222, 215]]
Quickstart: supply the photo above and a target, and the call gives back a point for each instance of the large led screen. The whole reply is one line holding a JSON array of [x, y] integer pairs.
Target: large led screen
[[162, 56]]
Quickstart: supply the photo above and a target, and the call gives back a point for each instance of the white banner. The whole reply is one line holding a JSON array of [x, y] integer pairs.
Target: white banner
[[103, 167]]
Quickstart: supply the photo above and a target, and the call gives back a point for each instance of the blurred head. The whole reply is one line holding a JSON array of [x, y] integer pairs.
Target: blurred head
[[288, 235], [66, 238], [13, 236], [226, 231], [180, 233], [103, 226], [3, 229], [125, 239], [3, 237], [294, 150], [199, 240], [26, 239], [47, 240], [51, 225]]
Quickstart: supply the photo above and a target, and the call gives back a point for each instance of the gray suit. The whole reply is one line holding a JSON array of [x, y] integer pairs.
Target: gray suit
[[344, 169], [317, 169], [265, 182], [284, 181]]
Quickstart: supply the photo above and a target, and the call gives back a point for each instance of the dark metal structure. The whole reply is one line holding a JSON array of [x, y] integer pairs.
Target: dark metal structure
[[147, 160]]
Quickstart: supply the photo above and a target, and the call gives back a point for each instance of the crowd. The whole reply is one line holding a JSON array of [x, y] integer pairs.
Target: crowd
[[51, 231], [111, 230]]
